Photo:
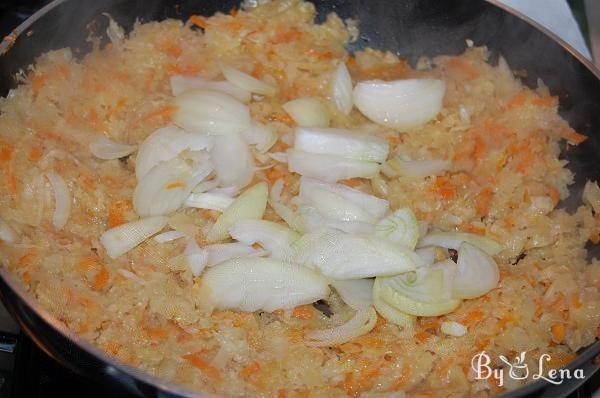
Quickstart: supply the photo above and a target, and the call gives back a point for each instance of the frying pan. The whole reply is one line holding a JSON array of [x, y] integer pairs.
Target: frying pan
[[411, 28]]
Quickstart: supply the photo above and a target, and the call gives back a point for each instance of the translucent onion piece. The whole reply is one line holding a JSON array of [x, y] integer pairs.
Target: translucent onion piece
[[452, 240], [274, 237], [168, 236], [252, 284], [330, 168], [400, 104], [293, 219], [400, 227], [165, 144], [250, 205], [210, 112], [311, 220], [452, 328], [220, 252], [417, 308], [196, 257], [62, 200], [261, 135], [477, 273], [180, 84], [427, 254], [7, 233], [357, 293], [280, 157], [247, 82], [308, 112], [115, 33], [121, 239], [343, 143], [362, 322], [233, 161], [341, 89], [340, 256], [421, 168], [166, 187], [591, 195], [335, 207], [211, 201], [106, 149], [276, 190], [390, 313]]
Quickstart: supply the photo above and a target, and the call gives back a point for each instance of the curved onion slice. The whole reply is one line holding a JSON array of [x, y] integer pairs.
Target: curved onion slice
[[168, 236], [220, 252], [452, 240], [261, 135], [343, 143], [165, 144], [180, 84], [310, 219], [62, 200], [196, 257], [390, 313], [421, 168], [7, 233], [251, 284], [452, 328], [207, 200], [335, 207], [417, 308], [274, 237], [400, 104], [477, 273], [233, 161], [341, 89], [357, 293], [291, 218], [308, 112], [210, 112], [247, 82], [427, 254], [400, 227], [106, 149], [330, 168], [250, 205], [121, 239], [591, 195], [362, 322], [166, 187], [339, 255]]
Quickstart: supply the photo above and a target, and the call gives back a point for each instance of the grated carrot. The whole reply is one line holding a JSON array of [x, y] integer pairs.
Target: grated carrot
[[35, 154], [352, 182], [157, 334], [27, 259], [281, 393], [289, 36], [554, 195], [423, 335], [303, 312], [473, 317], [558, 332], [276, 173], [199, 21], [560, 359], [87, 264], [250, 369], [468, 227], [165, 111], [574, 137], [516, 100], [401, 381], [547, 100], [463, 67], [576, 301], [6, 152], [38, 81], [295, 335], [443, 188], [116, 213], [482, 201], [206, 368], [101, 279]]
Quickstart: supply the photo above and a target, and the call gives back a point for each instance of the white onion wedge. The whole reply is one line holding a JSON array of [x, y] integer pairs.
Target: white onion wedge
[[340, 256], [195, 256], [210, 112], [7, 233], [357, 293], [250, 205], [390, 313], [121, 239], [251, 284], [273, 237], [168, 236], [453, 239], [308, 112], [207, 200], [310, 219], [417, 308], [343, 143], [180, 84], [220, 252], [166, 187], [261, 135], [400, 104], [341, 89], [400, 227], [477, 273], [291, 218], [330, 168], [165, 144], [233, 161], [62, 200], [247, 82], [106, 149], [452, 328], [361, 323], [421, 168], [427, 254], [335, 207]]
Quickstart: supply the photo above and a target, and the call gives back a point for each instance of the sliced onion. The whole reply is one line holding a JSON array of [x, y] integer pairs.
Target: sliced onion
[[210, 112], [166, 187], [341, 89], [211, 201], [293, 219], [261, 135], [330, 168], [180, 84], [421, 168], [340, 256], [250, 205], [452, 240], [400, 104], [276, 190], [417, 308], [165, 144], [106, 149], [247, 82], [361, 323], [196, 257], [308, 112], [220, 252], [121, 239], [400, 227], [254, 283], [452, 328], [357, 293], [62, 200], [591, 195], [310, 219], [274, 237], [7, 233], [115, 33], [427, 254], [477, 273], [390, 313], [343, 143], [335, 207], [168, 236], [233, 161]]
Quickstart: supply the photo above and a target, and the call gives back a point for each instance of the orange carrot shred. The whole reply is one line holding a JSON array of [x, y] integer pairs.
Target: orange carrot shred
[[206, 368], [558, 332], [199, 21], [303, 312], [250, 369]]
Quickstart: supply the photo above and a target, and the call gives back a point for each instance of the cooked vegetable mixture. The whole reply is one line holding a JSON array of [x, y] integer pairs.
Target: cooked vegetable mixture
[[238, 205]]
